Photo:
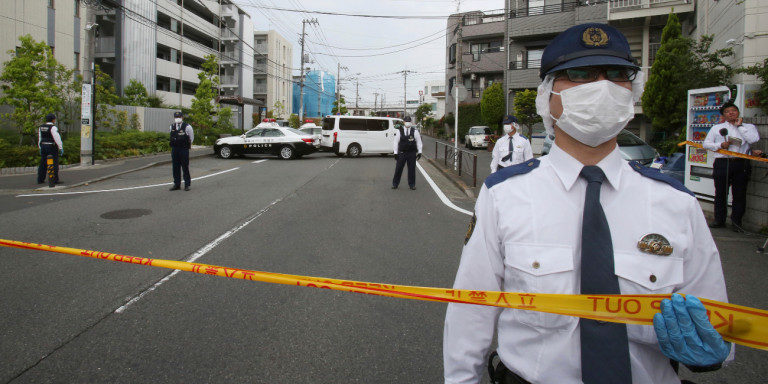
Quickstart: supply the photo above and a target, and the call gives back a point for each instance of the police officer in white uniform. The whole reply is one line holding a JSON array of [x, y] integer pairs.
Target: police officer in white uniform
[[511, 148], [182, 137], [49, 143], [580, 221], [407, 147], [736, 136]]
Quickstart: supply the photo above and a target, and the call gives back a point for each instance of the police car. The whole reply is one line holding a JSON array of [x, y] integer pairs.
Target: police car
[[267, 138]]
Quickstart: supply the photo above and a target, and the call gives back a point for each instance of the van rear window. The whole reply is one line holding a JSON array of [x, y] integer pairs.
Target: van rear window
[[328, 124]]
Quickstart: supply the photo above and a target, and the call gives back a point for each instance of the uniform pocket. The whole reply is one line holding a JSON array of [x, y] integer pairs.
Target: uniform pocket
[[643, 274], [539, 268]]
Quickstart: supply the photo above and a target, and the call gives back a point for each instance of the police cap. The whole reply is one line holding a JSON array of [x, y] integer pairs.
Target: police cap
[[178, 114], [586, 45], [509, 119], [407, 119], [50, 117]]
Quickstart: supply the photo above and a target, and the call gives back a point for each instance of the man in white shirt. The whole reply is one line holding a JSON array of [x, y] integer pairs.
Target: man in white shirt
[[575, 222], [407, 147], [735, 136], [511, 148], [49, 143]]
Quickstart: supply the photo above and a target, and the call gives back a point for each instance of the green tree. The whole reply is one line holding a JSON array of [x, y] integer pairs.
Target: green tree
[[336, 103], [761, 71], [294, 121], [525, 109], [492, 106], [106, 98], [155, 102], [135, 123], [422, 111], [135, 94], [29, 85], [203, 109], [224, 120]]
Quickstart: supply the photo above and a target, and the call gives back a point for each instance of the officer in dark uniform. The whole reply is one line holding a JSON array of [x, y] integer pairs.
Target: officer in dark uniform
[[182, 137], [49, 142], [407, 148]]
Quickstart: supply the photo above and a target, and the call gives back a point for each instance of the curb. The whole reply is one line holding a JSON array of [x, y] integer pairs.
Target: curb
[[455, 180]]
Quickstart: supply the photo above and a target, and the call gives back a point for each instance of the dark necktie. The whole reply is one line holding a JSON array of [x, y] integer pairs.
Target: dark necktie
[[511, 150], [604, 346]]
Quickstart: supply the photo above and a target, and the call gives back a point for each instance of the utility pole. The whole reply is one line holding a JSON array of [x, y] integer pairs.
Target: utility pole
[[405, 83], [357, 91], [338, 86], [87, 113], [459, 80], [506, 64], [301, 77], [375, 98]]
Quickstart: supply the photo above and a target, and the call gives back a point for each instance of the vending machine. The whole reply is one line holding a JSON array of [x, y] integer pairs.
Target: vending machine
[[703, 113]]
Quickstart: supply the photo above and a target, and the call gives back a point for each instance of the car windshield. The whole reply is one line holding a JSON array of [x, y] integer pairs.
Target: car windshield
[[627, 139], [254, 132], [296, 131], [328, 124], [479, 131]]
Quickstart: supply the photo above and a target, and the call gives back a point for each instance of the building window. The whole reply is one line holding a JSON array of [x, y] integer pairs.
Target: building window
[[51, 4], [77, 62], [77, 8], [534, 58], [452, 54]]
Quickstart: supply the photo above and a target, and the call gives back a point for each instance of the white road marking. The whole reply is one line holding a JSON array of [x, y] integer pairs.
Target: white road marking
[[258, 161], [125, 189], [440, 193]]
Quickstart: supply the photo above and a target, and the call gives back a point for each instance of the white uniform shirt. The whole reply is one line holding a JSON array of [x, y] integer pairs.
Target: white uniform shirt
[[407, 131], [54, 133], [527, 238], [522, 151], [747, 133]]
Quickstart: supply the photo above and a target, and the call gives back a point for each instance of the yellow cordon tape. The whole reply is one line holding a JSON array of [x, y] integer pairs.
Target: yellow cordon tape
[[738, 324], [724, 152]]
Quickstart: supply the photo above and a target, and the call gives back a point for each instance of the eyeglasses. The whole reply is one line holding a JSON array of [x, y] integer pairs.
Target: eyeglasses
[[590, 74]]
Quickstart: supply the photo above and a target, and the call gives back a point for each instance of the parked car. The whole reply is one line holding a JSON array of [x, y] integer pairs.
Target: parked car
[[313, 130], [266, 138], [355, 135], [477, 137], [632, 147], [674, 166]]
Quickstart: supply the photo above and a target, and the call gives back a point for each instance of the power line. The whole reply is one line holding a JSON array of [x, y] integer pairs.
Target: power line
[[404, 17], [380, 48]]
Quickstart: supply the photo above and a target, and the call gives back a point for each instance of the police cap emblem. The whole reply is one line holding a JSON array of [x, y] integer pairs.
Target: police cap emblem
[[594, 37], [655, 244]]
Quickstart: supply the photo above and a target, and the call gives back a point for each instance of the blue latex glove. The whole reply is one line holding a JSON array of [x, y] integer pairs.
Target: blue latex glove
[[686, 335]]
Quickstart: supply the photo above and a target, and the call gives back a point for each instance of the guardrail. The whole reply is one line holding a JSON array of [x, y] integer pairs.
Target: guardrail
[[459, 159]]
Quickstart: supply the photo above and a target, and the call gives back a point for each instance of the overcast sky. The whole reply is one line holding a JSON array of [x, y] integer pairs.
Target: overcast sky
[[368, 37]]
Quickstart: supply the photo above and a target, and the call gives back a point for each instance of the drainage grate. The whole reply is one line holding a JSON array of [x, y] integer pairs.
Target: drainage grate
[[125, 214]]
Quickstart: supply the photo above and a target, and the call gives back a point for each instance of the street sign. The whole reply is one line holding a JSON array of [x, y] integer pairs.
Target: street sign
[[85, 113], [461, 90]]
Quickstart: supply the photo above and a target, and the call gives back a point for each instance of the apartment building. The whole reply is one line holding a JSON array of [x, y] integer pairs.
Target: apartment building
[[163, 45], [272, 80], [534, 23], [319, 93], [434, 95], [58, 23]]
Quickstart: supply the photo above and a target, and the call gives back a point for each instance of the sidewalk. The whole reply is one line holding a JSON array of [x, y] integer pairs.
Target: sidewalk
[[79, 175]]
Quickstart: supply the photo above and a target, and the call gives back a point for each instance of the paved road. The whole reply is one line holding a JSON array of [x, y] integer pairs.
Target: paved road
[[318, 216]]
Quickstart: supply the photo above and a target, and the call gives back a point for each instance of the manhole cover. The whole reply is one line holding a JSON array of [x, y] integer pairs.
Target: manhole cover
[[125, 214]]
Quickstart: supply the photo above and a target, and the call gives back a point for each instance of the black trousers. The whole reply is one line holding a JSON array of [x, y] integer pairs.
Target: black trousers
[[180, 159], [733, 173], [42, 169], [403, 158]]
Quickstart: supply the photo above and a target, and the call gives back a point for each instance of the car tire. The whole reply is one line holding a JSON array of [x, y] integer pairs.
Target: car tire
[[287, 152], [354, 150], [225, 152]]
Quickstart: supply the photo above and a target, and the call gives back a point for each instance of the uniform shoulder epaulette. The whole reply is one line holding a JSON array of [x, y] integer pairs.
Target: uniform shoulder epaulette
[[655, 174], [514, 170]]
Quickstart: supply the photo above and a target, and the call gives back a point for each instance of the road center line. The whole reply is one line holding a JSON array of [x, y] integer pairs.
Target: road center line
[[124, 189], [440, 193]]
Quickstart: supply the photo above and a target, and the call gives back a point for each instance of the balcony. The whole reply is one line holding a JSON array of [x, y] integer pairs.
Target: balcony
[[259, 89], [491, 60], [544, 10], [631, 9], [229, 11], [230, 57], [105, 46], [230, 81], [228, 35]]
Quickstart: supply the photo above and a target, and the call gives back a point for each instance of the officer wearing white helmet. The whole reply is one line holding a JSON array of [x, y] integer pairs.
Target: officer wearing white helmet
[[511, 148], [581, 221]]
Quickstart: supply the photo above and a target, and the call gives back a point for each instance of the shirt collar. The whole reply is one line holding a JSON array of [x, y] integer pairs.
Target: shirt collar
[[568, 168]]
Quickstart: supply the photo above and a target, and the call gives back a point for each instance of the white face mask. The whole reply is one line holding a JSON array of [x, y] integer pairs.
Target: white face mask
[[507, 128], [595, 112], [407, 124], [177, 120]]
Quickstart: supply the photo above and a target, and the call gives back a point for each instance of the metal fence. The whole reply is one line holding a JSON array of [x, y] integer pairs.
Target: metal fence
[[460, 160]]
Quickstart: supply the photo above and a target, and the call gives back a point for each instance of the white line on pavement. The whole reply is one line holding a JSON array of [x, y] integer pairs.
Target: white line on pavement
[[440, 193], [198, 254], [258, 161], [124, 189]]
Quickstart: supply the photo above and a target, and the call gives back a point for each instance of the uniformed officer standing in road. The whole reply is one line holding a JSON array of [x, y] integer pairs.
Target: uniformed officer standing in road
[[584, 221], [49, 142], [407, 147], [182, 137], [736, 136], [511, 148]]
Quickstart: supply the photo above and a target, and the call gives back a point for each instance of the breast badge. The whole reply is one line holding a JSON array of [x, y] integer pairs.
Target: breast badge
[[655, 244]]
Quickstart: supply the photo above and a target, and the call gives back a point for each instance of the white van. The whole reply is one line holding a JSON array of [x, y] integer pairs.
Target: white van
[[355, 135]]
